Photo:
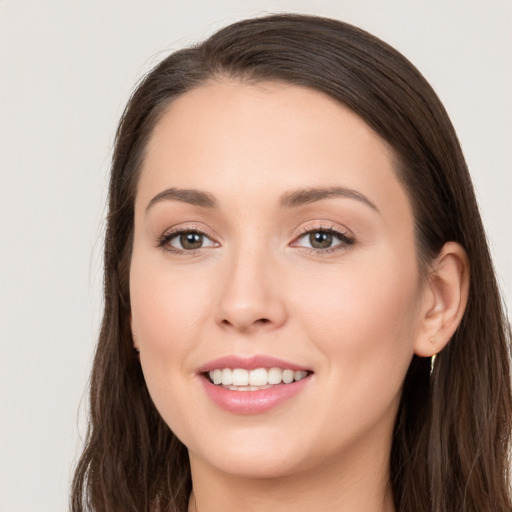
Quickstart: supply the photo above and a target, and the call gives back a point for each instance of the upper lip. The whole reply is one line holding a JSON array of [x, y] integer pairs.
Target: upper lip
[[249, 363]]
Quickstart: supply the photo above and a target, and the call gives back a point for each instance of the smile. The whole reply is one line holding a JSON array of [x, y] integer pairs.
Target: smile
[[240, 379]]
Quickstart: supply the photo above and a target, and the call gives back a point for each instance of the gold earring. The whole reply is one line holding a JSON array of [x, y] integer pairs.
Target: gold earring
[[433, 358]]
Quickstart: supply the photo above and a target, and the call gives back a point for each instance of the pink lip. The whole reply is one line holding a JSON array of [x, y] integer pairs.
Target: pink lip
[[248, 363], [251, 402]]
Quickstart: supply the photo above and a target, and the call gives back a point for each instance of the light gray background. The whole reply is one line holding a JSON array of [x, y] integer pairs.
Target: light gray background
[[66, 71]]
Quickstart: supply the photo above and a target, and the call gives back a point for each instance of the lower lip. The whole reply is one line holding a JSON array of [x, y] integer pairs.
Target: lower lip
[[252, 402]]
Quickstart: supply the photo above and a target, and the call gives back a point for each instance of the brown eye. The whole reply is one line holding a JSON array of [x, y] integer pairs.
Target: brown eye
[[320, 239], [323, 240], [191, 240], [183, 241]]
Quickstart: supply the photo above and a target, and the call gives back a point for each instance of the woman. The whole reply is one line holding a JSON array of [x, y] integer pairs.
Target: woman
[[292, 240]]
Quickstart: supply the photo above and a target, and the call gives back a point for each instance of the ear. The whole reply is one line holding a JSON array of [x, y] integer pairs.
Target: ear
[[445, 299]]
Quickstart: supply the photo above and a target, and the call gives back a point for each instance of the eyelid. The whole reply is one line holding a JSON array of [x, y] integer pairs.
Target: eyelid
[[169, 234], [345, 236]]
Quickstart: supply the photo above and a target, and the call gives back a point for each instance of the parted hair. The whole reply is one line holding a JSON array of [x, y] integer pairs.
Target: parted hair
[[451, 443]]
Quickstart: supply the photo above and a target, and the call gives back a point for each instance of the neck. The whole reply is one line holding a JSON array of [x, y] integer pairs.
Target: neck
[[353, 481]]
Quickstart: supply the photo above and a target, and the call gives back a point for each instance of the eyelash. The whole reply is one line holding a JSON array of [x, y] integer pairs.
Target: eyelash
[[344, 238], [163, 241]]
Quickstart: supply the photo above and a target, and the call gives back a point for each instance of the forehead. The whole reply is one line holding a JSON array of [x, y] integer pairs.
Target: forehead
[[232, 137]]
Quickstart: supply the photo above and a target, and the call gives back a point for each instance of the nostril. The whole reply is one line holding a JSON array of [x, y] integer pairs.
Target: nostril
[[260, 321]]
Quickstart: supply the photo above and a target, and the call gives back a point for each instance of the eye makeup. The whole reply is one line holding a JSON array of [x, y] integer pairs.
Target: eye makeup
[[318, 239]]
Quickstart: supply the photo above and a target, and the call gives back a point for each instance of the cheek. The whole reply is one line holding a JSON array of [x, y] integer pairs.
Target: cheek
[[365, 316], [166, 306], [167, 327], [363, 321], [166, 312]]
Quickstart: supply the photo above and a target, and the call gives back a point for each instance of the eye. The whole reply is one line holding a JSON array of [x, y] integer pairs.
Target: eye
[[185, 241], [323, 240]]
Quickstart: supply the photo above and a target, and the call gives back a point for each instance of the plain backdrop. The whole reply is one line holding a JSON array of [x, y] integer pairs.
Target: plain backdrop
[[66, 70]]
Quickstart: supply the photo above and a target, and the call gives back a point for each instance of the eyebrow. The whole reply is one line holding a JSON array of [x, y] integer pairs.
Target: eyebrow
[[292, 199], [304, 196], [190, 196]]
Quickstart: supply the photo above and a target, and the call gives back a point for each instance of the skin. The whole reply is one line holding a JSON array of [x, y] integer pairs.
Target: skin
[[354, 314]]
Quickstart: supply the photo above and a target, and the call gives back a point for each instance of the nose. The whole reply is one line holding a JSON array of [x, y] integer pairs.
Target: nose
[[250, 297]]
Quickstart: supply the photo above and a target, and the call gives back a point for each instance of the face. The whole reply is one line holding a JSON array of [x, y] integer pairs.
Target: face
[[271, 231]]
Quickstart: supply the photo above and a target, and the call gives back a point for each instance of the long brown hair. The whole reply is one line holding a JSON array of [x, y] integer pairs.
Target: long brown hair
[[452, 433]]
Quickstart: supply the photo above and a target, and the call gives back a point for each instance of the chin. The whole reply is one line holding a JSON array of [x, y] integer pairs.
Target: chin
[[254, 467], [254, 456]]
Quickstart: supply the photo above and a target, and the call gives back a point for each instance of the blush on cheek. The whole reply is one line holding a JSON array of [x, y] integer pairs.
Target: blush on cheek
[[161, 309], [365, 312]]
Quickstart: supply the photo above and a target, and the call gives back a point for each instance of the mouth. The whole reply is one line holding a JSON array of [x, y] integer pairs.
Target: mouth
[[257, 379], [253, 385]]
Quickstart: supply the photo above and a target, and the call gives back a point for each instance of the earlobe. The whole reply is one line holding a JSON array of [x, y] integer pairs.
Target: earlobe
[[446, 297]]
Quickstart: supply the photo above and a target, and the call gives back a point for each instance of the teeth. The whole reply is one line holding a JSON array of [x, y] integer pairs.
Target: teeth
[[258, 377], [247, 388], [239, 379], [217, 376], [227, 377], [288, 376], [298, 375], [275, 375]]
